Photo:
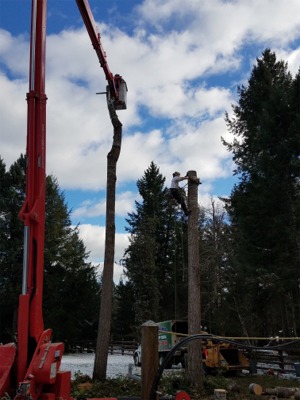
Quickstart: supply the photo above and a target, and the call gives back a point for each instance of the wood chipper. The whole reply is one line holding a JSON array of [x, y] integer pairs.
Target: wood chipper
[[215, 354], [222, 355]]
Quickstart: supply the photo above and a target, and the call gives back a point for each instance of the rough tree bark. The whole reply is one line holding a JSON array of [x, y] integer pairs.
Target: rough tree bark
[[194, 365], [103, 337]]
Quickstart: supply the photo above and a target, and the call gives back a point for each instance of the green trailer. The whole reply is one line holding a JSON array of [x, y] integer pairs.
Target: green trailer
[[170, 333]]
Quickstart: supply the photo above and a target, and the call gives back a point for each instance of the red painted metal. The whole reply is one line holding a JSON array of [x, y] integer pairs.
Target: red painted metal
[[30, 368], [7, 358], [117, 85], [30, 321], [182, 396], [43, 377]]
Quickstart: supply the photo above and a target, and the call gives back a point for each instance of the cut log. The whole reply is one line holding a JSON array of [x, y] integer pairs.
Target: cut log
[[282, 392], [255, 389], [285, 392], [219, 394]]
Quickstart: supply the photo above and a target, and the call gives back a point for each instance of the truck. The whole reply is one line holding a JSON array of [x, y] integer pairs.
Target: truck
[[216, 354], [170, 333]]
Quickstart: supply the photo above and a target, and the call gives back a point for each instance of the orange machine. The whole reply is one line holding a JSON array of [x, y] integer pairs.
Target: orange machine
[[30, 367]]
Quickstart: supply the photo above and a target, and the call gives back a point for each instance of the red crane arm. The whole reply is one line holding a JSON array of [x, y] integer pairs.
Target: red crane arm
[[37, 367], [117, 85], [33, 362], [30, 324], [95, 37]]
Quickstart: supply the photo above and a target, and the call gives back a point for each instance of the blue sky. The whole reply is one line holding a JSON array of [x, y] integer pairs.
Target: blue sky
[[182, 66]]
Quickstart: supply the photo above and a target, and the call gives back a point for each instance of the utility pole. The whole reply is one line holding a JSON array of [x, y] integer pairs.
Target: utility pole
[[194, 365]]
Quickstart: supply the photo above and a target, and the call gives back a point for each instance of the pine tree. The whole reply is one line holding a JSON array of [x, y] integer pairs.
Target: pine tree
[[12, 197], [123, 326], [150, 258], [263, 204], [71, 289], [215, 246], [66, 271]]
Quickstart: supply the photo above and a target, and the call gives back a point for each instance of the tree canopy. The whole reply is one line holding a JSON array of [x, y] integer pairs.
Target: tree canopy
[[71, 288], [151, 260], [249, 244], [264, 204]]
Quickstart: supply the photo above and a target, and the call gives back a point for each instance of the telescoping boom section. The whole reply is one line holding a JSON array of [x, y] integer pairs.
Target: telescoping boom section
[[30, 367], [117, 88]]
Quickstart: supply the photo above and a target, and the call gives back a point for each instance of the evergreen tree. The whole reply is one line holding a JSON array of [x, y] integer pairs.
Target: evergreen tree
[[264, 204], [70, 300], [215, 246], [11, 245], [123, 326], [71, 289], [151, 256]]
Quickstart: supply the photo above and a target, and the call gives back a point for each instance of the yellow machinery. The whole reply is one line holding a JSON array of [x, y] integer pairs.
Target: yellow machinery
[[223, 355], [216, 354]]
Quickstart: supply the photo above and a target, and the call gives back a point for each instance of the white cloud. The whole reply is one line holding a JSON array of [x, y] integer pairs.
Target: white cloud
[[118, 272], [224, 24], [291, 57], [93, 237], [15, 53], [124, 204], [13, 118], [160, 70], [207, 154], [181, 65], [206, 199]]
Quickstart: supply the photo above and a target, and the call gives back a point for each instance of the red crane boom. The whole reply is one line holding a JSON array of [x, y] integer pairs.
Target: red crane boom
[[31, 366], [117, 86]]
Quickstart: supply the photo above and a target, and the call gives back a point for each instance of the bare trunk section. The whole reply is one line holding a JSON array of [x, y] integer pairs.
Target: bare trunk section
[[103, 337], [194, 367]]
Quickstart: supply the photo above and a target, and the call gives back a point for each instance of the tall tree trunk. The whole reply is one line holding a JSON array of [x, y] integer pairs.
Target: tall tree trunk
[[103, 337], [194, 367]]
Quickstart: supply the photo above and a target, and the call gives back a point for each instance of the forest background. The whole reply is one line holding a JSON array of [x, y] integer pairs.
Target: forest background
[[249, 242]]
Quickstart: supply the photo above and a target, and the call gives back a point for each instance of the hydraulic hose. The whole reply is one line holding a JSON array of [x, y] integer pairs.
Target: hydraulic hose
[[188, 339]]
